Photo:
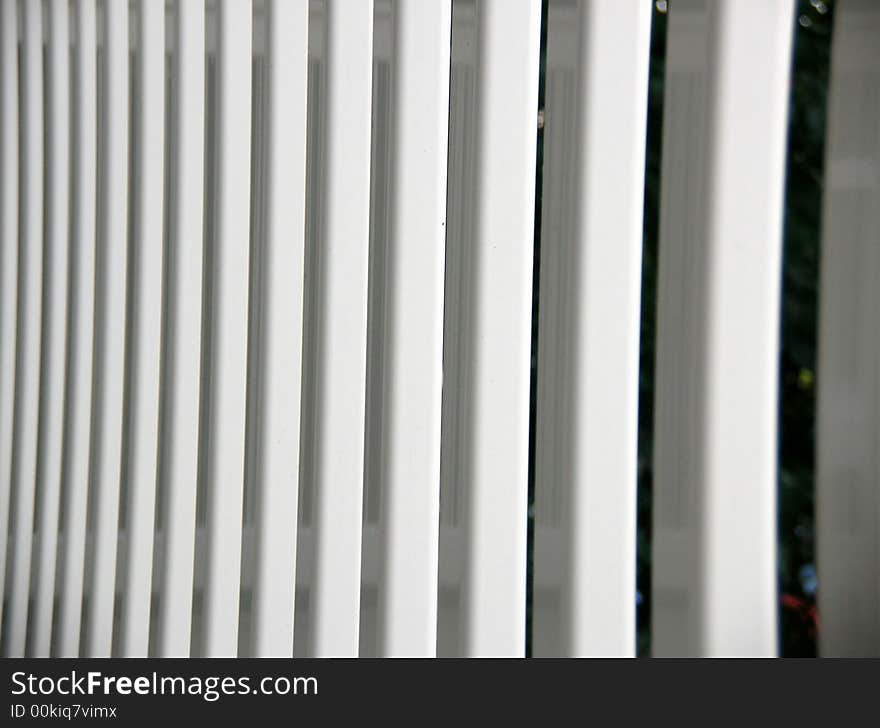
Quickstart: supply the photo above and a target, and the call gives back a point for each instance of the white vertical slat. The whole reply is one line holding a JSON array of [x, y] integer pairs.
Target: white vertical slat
[[341, 347], [9, 134], [281, 334], [848, 422], [588, 356], [111, 302], [226, 421], [183, 337], [413, 329], [488, 335], [78, 415], [315, 135], [30, 267], [54, 354], [143, 417], [714, 556]]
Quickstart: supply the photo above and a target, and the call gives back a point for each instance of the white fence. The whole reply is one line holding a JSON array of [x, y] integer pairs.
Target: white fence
[[265, 346]]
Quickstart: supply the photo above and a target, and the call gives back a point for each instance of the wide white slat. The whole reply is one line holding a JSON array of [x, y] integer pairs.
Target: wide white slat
[[109, 372], [78, 415], [183, 332], [714, 554], [341, 310], [281, 329], [30, 289], [488, 335], [224, 466], [409, 443], [54, 323], [146, 302], [848, 421], [588, 356], [9, 135]]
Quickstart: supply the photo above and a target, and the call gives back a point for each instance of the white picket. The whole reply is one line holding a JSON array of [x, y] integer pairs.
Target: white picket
[[408, 444], [487, 339], [714, 495], [281, 332], [53, 354], [9, 193], [111, 296], [230, 256], [80, 343], [30, 292], [340, 346], [848, 413], [181, 361], [142, 434], [588, 352]]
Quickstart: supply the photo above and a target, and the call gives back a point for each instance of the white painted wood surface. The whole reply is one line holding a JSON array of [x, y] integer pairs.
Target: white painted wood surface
[[588, 353], [181, 366], [110, 302], [281, 333], [488, 328], [340, 270], [848, 413], [145, 317], [275, 397], [9, 224], [714, 536], [223, 458], [53, 353], [30, 292], [409, 442], [80, 342]]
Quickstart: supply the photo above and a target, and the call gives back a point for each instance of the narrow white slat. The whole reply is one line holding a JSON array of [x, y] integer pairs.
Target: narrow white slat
[[146, 293], [30, 289], [714, 555], [315, 135], [488, 336], [54, 349], [588, 356], [341, 347], [183, 337], [9, 134], [413, 329], [281, 332], [78, 414], [224, 468], [848, 417], [111, 294]]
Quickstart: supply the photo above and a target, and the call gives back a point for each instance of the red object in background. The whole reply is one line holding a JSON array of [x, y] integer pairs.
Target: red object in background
[[805, 609]]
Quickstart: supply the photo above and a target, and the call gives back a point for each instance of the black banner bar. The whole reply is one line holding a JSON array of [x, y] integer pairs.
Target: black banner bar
[[151, 691]]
